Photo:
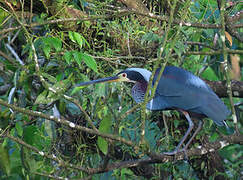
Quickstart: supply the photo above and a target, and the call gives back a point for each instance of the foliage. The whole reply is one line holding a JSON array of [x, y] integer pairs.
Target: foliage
[[66, 53]]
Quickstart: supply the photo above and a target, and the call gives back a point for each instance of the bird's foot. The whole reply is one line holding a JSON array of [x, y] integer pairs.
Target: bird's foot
[[171, 153], [176, 151], [185, 152]]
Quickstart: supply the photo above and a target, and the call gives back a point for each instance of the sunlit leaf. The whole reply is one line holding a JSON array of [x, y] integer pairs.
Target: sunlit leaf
[[70, 35], [47, 49], [105, 126], [41, 98], [19, 128], [46, 97], [77, 57], [57, 44], [77, 89], [68, 57], [102, 144], [78, 38], [4, 160], [90, 62], [209, 74]]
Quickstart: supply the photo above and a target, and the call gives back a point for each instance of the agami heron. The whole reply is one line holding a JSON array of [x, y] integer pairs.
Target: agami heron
[[177, 89]]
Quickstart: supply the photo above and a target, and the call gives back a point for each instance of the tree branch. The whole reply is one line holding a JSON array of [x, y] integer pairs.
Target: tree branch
[[154, 157], [220, 88], [44, 154], [229, 51], [67, 123], [162, 158]]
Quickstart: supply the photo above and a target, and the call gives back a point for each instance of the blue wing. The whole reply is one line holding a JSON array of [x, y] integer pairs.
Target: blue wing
[[181, 89]]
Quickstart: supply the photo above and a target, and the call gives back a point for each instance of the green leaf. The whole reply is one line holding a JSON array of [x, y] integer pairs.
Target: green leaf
[[78, 38], [28, 161], [56, 43], [125, 172], [46, 97], [102, 144], [105, 126], [100, 89], [3, 15], [176, 123], [19, 128], [4, 160], [68, 57], [49, 77], [47, 49], [53, 42], [71, 36], [76, 89], [77, 57], [50, 128], [90, 62], [214, 137], [209, 74], [121, 128], [41, 98]]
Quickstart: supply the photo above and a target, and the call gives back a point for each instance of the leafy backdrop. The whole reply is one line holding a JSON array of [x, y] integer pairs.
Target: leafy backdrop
[[51, 130]]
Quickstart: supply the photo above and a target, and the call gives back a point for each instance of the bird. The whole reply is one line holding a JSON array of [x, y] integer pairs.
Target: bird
[[177, 89]]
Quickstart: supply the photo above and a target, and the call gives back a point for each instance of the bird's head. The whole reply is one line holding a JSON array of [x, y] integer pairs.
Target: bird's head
[[128, 75]]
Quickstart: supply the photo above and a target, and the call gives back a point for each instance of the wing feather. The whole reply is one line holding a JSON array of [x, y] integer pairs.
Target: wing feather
[[181, 89]]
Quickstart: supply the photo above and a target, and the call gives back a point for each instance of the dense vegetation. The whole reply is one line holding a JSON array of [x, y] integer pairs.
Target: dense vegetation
[[49, 129]]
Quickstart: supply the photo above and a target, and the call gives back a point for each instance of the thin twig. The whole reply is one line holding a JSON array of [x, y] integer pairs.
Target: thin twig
[[229, 51], [67, 123], [200, 44], [57, 21], [15, 54], [226, 65], [162, 158], [45, 174], [52, 156], [45, 84]]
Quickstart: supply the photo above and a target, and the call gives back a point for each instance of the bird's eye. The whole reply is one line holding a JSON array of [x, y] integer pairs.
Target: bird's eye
[[124, 75]]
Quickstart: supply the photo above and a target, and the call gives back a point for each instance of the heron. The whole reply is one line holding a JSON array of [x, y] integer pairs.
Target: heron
[[177, 89]]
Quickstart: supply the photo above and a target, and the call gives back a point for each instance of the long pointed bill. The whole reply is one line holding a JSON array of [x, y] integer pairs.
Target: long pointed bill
[[107, 79]]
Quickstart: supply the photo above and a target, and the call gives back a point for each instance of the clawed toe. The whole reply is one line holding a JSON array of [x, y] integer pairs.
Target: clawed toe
[[176, 151], [171, 153]]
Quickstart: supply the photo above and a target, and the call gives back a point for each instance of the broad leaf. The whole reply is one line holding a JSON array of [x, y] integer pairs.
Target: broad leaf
[[77, 57], [105, 126], [90, 62], [78, 38], [41, 99], [47, 49], [209, 74], [68, 57], [19, 128], [4, 160]]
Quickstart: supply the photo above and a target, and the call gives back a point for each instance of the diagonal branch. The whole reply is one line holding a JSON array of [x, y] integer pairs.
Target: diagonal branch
[[153, 158], [220, 88], [67, 123]]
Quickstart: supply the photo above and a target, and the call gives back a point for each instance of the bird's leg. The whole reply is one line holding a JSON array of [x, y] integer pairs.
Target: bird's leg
[[194, 134], [176, 150]]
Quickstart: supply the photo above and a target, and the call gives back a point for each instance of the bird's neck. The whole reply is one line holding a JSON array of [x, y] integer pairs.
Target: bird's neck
[[138, 91]]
